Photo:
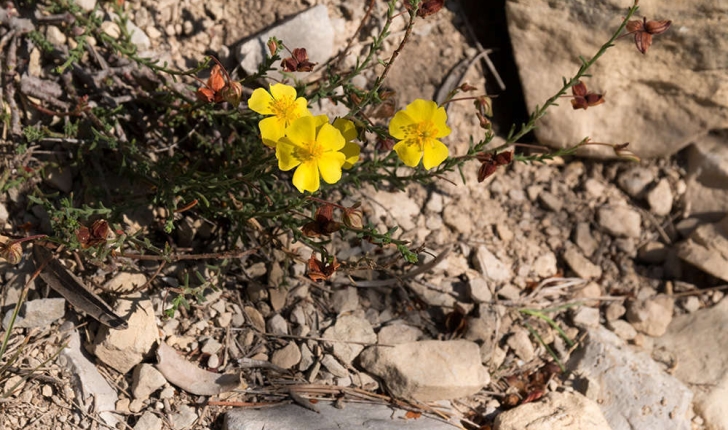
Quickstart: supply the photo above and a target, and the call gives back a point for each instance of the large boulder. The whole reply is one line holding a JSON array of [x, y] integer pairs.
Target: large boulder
[[659, 102]]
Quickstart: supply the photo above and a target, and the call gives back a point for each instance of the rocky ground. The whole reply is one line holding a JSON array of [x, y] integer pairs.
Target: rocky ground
[[615, 269]]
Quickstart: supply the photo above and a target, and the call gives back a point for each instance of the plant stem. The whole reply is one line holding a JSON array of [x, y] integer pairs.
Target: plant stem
[[541, 111]]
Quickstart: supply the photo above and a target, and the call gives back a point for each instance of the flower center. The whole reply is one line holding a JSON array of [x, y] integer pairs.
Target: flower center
[[313, 151], [285, 109], [419, 133]]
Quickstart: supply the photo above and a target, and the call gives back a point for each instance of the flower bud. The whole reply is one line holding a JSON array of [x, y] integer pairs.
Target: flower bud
[[354, 218], [12, 252], [272, 45], [232, 93]]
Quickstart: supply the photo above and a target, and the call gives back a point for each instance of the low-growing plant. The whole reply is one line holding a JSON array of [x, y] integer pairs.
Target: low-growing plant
[[263, 169]]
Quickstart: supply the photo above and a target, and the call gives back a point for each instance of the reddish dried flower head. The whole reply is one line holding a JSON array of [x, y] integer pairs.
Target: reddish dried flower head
[[323, 223], [100, 229], [384, 145], [490, 162], [298, 62], [97, 234], [484, 105], [466, 87], [215, 83], [427, 7], [320, 271], [583, 98], [485, 123], [644, 30]]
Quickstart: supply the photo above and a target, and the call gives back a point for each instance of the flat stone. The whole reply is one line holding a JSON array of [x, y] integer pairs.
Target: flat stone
[[394, 334], [563, 411], [89, 386], [124, 349], [479, 290], [457, 219], [550, 201], [287, 357], [660, 198], [125, 282], [146, 380], [580, 264], [277, 325], [584, 239], [614, 311], [533, 27], [55, 36], [255, 318], [592, 290], [631, 389], [295, 33], [651, 316], [37, 313], [428, 370], [706, 194], [88, 6], [620, 221], [148, 421], [509, 292], [211, 346], [707, 249], [586, 317], [136, 406], [401, 207], [4, 215], [345, 300], [355, 416], [635, 181], [332, 365], [183, 418], [545, 265], [623, 329], [520, 343], [490, 266], [696, 342], [350, 328]]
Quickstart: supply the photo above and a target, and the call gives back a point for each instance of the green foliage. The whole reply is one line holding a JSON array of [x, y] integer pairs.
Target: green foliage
[[178, 151]]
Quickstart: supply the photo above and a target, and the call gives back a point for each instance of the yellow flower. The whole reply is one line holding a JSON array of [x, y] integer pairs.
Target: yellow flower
[[282, 106], [313, 146], [417, 128], [351, 150]]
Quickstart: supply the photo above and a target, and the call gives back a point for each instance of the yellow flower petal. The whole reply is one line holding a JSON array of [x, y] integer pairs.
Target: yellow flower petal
[[306, 177], [286, 155], [330, 138], [421, 110], [329, 164], [408, 153], [260, 102], [271, 130], [439, 118], [399, 124], [281, 91], [351, 151], [302, 130], [347, 128], [301, 108], [435, 153]]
